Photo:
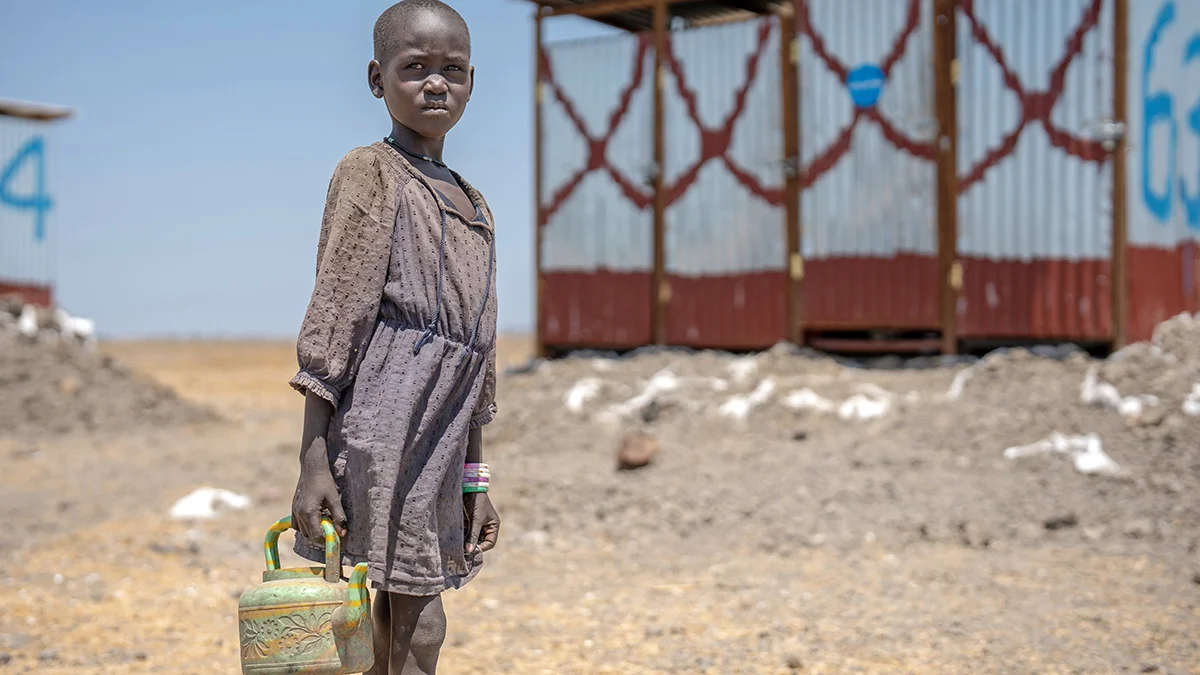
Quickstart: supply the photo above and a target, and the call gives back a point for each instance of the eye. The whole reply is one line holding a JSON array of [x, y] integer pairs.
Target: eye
[[415, 65], [453, 68]]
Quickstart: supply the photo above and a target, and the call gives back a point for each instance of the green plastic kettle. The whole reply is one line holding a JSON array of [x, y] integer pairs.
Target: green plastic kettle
[[305, 620]]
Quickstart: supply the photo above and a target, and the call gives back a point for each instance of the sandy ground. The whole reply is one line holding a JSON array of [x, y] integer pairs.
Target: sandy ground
[[788, 541]]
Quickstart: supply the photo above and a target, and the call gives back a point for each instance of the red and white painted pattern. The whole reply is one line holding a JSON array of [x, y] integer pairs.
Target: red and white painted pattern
[[1035, 183], [725, 240], [596, 215], [868, 176]]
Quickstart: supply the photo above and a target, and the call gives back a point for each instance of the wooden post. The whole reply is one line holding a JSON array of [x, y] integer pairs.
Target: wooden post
[[1120, 232], [946, 71], [538, 93], [789, 60], [660, 290]]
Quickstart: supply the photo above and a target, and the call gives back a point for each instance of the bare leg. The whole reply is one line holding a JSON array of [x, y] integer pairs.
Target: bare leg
[[381, 614], [418, 628]]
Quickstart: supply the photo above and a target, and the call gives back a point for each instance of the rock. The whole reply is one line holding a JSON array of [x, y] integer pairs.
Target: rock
[[973, 535], [637, 450], [799, 435], [1196, 578], [1142, 528], [1167, 484], [5, 659], [1061, 522], [1031, 531], [793, 662], [70, 385], [48, 655]]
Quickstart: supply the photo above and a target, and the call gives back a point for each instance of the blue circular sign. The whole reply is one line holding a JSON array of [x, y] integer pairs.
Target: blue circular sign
[[866, 84]]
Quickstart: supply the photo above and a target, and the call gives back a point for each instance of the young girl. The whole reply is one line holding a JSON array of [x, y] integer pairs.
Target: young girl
[[397, 348]]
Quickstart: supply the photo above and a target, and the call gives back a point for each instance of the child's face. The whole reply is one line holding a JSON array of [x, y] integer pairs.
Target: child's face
[[428, 79]]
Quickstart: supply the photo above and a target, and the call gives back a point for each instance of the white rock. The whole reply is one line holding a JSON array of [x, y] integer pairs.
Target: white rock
[[582, 392], [207, 502], [860, 407], [1087, 453], [739, 407], [959, 384], [1191, 404], [807, 399]]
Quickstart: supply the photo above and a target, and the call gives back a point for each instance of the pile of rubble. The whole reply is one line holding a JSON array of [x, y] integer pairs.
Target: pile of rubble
[[794, 444], [54, 381]]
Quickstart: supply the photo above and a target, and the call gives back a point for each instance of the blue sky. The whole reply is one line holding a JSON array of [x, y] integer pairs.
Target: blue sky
[[189, 185]]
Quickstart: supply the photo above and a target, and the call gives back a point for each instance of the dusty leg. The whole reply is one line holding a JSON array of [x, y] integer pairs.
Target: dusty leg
[[418, 630], [381, 614]]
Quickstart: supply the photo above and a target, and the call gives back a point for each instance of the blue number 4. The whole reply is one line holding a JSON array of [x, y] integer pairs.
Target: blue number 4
[[39, 202]]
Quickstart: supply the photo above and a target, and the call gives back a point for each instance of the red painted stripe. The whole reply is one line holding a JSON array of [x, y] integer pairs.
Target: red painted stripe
[[33, 295], [1162, 283], [871, 293], [600, 309], [1038, 299], [741, 311]]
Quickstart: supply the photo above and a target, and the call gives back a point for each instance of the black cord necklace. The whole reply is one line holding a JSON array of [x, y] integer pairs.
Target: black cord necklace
[[392, 142]]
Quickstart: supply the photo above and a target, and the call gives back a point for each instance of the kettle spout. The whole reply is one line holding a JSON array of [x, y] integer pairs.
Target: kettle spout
[[357, 608]]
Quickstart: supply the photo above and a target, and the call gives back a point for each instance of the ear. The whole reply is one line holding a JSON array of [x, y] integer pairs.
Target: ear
[[471, 76], [375, 78]]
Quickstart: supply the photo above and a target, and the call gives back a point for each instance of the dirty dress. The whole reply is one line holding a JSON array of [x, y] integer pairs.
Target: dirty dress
[[400, 337]]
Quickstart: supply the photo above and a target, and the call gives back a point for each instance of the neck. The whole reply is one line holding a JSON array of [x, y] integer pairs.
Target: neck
[[411, 140]]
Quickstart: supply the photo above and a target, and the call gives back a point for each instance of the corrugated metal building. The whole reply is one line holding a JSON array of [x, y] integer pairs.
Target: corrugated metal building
[[27, 224], [867, 174]]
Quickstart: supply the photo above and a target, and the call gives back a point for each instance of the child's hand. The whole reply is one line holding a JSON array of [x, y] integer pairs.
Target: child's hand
[[483, 523], [317, 495]]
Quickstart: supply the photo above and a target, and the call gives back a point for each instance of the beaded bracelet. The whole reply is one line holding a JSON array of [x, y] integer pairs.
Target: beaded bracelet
[[476, 477]]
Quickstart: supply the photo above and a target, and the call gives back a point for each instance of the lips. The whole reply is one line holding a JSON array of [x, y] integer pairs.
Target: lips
[[436, 107]]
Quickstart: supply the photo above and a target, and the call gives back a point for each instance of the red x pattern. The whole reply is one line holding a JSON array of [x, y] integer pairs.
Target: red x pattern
[[597, 159], [829, 157], [715, 141], [1036, 106]]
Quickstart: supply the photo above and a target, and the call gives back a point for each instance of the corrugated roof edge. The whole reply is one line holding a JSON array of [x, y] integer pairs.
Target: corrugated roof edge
[[33, 111]]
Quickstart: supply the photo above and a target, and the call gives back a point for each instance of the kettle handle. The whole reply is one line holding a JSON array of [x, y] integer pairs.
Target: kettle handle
[[333, 552]]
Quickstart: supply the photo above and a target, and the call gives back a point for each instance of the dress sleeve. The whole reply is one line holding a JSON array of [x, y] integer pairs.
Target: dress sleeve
[[353, 253], [485, 407]]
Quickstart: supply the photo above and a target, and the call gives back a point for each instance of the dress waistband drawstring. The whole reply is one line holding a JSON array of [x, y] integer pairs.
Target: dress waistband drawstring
[[431, 328]]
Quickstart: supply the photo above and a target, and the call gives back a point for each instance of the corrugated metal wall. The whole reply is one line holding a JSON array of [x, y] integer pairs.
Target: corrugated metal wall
[[596, 215], [1035, 187], [868, 201], [27, 224], [725, 240], [1035, 87], [1163, 179]]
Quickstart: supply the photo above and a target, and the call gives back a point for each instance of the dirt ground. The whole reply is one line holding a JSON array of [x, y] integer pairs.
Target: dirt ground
[[803, 515]]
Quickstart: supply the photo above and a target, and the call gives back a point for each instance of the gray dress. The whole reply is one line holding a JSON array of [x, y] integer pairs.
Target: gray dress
[[400, 337]]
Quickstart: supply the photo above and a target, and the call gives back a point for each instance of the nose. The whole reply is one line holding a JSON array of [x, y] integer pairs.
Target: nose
[[436, 85]]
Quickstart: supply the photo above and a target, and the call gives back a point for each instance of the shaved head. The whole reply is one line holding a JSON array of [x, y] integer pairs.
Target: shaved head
[[392, 24]]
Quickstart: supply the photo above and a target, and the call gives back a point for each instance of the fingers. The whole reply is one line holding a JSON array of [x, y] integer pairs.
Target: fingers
[[337, 514], [491, 532], [476, 526]]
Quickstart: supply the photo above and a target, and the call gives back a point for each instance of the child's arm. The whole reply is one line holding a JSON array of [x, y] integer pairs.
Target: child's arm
[[316, 490], [353, 254]]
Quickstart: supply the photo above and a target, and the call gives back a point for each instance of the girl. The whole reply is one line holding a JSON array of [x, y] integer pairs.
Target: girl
[[397, 348]]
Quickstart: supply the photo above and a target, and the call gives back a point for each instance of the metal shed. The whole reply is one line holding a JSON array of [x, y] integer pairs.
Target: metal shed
[[26, 201], [866, 174]]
